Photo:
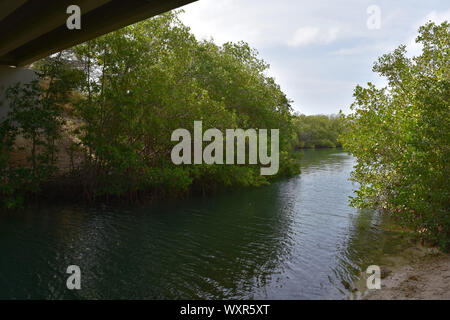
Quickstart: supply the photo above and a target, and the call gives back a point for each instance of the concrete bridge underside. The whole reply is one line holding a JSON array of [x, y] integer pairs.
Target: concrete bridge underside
[[33, 29]]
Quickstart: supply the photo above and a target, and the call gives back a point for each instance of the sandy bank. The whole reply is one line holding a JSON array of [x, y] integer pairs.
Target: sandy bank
[[427, 279]]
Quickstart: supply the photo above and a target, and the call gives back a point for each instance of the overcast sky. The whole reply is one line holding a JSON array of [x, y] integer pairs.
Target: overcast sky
[[318, 50]]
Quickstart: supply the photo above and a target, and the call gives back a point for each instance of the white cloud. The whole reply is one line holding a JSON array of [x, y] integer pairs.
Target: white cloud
[[318, 50], [414, 48], [437, 17], [304, 36], [371, 49], [313, 35], [264, 23]]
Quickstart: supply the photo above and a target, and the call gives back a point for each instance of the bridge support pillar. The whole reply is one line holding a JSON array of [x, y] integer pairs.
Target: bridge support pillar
[[10, 76]]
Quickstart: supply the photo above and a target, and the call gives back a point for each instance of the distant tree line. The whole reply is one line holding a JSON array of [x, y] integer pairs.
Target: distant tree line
[[319, 131]]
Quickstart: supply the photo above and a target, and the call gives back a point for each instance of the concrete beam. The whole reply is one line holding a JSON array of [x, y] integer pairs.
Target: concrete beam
[[7, 7], [48, 18], [38, 28]]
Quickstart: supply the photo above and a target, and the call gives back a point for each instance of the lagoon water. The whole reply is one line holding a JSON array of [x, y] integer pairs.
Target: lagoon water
[[295, 239]]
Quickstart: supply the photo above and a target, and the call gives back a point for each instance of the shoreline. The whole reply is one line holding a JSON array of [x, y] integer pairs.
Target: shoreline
[[427, 277]]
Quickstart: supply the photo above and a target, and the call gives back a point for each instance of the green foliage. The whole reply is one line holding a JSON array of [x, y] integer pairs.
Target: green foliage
[[36, 121], [35, 118], [318, 131], [149, 79], [400, 136], [127, 92]]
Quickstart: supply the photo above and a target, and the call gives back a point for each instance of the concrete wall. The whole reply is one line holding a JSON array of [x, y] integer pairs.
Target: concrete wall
[[10, 76]]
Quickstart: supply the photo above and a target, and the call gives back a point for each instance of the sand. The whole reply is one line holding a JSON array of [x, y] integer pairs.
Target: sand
[[427, 279]]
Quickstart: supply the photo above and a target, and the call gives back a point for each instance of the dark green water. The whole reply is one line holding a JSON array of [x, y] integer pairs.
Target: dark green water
[[295, 239]]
